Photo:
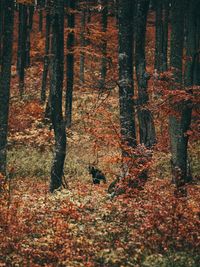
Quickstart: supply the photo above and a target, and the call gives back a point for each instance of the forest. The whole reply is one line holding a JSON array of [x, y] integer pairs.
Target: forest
[[99, 133]]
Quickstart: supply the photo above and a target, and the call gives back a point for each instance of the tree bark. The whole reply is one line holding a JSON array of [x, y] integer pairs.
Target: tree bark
[[22, 46], [56, 88], [46, 57], [178, 124], [70, 64], [159, 37], [126, 86], [82, 44], [5, 80], [146, 124], [104, 44]]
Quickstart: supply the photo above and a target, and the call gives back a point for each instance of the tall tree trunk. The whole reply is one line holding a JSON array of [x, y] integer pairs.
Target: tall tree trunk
[[165, 33], [5, 80], [70, 64], [104, 44], [126, 86], [22, 46], [46, 57], [177, 129], [82, 44], [30, 12], [2, 10], [159, 37], [56, 88], [146, 124]]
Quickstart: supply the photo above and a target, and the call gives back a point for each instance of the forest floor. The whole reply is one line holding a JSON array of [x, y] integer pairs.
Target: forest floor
[[81, 224]]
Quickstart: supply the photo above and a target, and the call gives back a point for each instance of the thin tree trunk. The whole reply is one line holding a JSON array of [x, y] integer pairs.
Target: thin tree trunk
[[30, 12], [46, 57], [5, 80], [104, 45], [82, 44], [126, 86], [70, 64], [56, 88], [146, 124], [165, 34], [22, 45]]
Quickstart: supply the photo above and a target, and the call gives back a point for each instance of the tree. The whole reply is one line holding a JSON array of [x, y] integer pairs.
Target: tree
[[161, 47], [104, 22], [176, 122], [126, 91], [82, 42], [56, 88], [70, 63], [22, 45], [5, 80], [46, 57], [146, 125]]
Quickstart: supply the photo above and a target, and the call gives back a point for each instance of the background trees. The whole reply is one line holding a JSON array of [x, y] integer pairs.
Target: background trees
[[133, 126]]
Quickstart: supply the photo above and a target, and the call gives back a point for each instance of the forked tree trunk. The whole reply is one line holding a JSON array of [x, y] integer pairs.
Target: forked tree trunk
[[56, 88], [5, 80]]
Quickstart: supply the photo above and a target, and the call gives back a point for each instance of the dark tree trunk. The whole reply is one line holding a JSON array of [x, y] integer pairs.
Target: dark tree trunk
[[159, 37], [22, 46], [104, 44], [191, 78], [56, 88], [176, 123], [46, 57], [30, 10], [146, 125], [70, 64], [5, 80], [2, 10], [126, 87], [165, 34]]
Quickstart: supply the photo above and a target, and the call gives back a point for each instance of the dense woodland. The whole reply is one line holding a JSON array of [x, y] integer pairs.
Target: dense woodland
[[99, 133]]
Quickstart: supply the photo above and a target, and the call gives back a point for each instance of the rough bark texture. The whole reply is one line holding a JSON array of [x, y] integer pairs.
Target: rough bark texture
[[70, 64], [126, 89], [5, 80], [146, 125], [178, 124], [56, 86]]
